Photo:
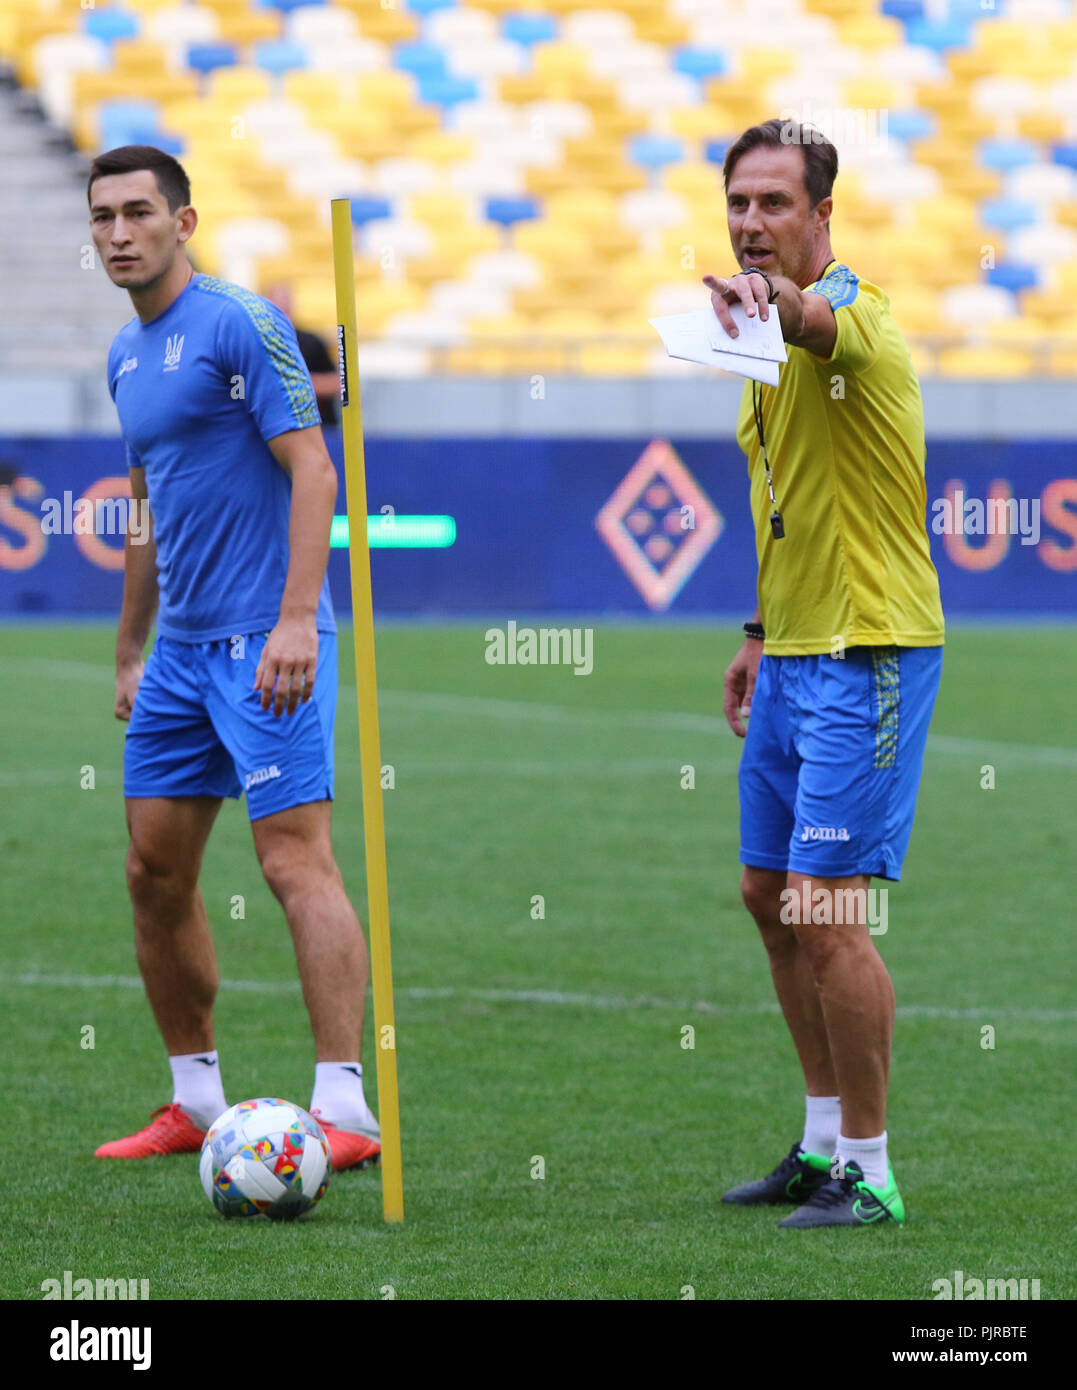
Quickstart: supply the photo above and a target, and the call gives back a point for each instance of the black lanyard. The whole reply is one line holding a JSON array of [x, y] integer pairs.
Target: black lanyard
[[777, 525]]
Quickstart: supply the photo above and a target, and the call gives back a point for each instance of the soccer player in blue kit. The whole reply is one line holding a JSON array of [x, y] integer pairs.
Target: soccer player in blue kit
[[224, 445]]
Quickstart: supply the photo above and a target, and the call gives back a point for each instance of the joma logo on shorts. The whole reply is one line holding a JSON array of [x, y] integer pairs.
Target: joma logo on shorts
[[824, 832], [263, 774]]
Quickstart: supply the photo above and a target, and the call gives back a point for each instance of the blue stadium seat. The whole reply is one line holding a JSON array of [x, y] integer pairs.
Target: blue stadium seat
[[938, 34], [278, 55], [1014, 277], [506, 211], [973, 9], [420, 59], [429, 6], [204, 57], [905, 10], [655, 151], [529, 28], [126, 121], [699, 62], [910, 124], [286, 6], [365, 209], [446, 91], [1007, 154], [1065, 155], [714, 151], [1007, 214], [110, 24]]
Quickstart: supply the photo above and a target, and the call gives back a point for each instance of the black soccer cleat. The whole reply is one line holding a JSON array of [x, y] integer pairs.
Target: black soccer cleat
[[794, 1180], [849, 1201]]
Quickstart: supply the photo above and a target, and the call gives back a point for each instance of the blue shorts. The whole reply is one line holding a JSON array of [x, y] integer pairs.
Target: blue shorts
[[198, 728], [832, 760]]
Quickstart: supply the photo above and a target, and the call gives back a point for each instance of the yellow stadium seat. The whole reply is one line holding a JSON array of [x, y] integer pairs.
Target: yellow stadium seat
[[501, 327], [915, 308], [985, 363], [708, 121], [839, 9], [1046, 307], [611, 360], [583, 209], [1066, 214], [137, 56], [969, 65], [548, 243], [385, 90], [555, 61], [656, 27], [971, 127], [441, 206], [973, 183], [697, 181], [236, 86], [870, 32], [389, 24], [377, 300], [946, 99], [1021, 333], [440, 146], [570, 323], [764, 64], [871, 93], [243, 27], [1043, 126], [455, 245], [615, 123]]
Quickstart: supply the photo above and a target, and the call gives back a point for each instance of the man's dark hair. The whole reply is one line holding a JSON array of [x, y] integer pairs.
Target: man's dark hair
[[172, 181], [820, 156]]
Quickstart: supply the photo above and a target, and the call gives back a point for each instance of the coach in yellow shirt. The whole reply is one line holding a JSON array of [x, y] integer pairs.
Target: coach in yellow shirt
[[840, 665]]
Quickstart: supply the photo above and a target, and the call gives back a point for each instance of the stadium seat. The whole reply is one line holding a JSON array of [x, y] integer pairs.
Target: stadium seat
[[205, 57], [110, 24]]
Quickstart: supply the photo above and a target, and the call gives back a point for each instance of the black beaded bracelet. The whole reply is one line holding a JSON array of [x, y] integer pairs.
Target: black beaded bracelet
[[772, 293], [754, 630]]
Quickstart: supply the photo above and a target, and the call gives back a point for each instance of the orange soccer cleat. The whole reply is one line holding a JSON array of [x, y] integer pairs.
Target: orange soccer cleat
[[170, 1131], [349, 1149]]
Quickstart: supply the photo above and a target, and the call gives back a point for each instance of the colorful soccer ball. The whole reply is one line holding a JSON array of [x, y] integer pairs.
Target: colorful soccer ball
[[265, 1158]]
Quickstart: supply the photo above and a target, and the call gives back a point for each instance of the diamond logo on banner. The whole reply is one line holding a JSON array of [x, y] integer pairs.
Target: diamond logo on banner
[[659, 524]]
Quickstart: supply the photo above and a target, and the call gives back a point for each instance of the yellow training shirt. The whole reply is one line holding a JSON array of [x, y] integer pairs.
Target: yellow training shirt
[[845, 438]]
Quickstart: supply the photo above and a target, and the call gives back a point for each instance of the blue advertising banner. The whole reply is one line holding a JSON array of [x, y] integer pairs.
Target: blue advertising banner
[[560, 526]]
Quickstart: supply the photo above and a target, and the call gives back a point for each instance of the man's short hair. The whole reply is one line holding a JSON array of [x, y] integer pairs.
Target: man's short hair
[[820, 156], [171, 177]]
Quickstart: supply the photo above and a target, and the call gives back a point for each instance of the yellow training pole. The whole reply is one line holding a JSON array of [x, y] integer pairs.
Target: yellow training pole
[[392, 1178]]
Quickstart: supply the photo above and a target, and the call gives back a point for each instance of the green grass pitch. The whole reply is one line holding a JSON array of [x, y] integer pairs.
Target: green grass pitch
[[558, 1039]]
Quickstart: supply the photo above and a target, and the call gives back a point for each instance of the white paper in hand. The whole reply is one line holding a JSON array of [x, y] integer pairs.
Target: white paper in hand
[[699, 337]]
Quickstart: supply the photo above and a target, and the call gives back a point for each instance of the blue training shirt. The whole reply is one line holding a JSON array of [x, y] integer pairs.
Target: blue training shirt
[[199, 390]]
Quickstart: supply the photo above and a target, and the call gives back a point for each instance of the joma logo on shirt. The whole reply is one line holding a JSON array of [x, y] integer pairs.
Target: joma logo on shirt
[[173, 348], [127, 365], [263, 774], [824, 832]]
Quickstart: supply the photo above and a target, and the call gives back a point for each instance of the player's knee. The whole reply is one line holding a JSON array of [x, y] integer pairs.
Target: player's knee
[[153, 881], [761, 891], [293, 869]]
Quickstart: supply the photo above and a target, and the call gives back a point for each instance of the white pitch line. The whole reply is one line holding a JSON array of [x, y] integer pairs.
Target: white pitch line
[[528, 711], [560, 998]]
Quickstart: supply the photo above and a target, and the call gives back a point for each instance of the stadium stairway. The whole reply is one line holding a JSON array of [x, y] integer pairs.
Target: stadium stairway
[[61, 311]]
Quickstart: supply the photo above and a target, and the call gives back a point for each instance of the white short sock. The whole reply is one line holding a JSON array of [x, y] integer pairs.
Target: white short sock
[[822, 1120], [338, 1095], [870, 1154], [196, 1086]]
